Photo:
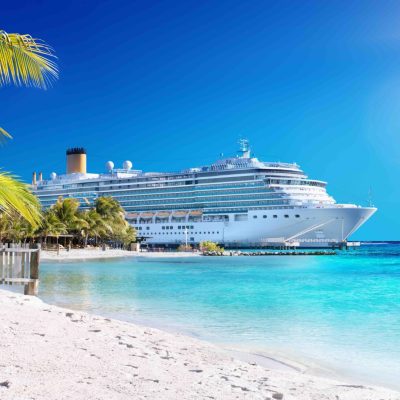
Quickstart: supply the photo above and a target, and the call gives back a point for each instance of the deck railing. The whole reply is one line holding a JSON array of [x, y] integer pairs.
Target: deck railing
[[19, 265]]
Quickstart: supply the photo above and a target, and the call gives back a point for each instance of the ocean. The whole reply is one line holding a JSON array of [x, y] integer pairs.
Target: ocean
[[336, 314]]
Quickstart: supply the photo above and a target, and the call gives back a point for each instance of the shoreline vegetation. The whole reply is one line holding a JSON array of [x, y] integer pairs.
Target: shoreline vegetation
[[65, 223], [65, 226], [63, 353]]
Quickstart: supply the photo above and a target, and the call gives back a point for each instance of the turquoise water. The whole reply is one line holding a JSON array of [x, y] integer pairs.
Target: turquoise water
[[339, 312]]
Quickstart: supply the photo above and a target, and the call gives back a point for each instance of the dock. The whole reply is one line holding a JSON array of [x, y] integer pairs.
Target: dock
[[271, 253]]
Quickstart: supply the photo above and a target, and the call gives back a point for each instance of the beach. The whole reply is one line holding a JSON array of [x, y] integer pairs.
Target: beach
[[98, 253], [48, 352]]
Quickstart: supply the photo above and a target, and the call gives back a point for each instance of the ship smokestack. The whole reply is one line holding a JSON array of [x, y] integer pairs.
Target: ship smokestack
[[40, 176], [76, 160], [33, 178]]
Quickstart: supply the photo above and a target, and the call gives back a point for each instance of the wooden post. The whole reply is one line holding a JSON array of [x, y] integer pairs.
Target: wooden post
[[32, 288]]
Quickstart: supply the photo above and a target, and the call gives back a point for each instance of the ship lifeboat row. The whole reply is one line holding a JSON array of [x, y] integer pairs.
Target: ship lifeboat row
[[164, 214]]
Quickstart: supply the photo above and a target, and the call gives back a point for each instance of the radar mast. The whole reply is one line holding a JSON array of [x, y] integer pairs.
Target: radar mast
[[244, 148]]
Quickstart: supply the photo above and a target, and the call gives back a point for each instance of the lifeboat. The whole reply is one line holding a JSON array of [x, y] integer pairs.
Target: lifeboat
[[196, 213], [147, 215], [179, 214], [163, 214]]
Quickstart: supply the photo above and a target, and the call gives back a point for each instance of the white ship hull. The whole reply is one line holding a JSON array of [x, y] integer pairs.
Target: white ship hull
[[236, 201], [307, 227]]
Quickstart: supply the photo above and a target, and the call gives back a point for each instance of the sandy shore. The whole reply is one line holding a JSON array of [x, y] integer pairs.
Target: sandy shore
[[50, 353], [85, 254]]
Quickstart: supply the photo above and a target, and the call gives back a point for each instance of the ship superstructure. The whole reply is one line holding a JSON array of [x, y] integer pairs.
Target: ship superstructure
[[236, 201]]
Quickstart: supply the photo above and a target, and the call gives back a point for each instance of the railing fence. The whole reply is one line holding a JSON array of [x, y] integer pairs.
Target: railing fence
[[19, 265]]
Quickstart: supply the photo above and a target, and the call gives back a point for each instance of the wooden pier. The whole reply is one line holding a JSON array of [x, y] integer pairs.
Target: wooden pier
[[20, 266]]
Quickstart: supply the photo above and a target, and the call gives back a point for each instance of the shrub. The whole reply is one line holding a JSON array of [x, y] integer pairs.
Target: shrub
[[211, 247]]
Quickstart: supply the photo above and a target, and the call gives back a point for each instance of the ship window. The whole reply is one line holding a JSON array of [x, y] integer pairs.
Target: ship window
[[163, 227], [179, 227], [192, 227], [254, 216], [286, 216], [147, 227], [171, 227], [297, 216], [275, 216], [264, 216]]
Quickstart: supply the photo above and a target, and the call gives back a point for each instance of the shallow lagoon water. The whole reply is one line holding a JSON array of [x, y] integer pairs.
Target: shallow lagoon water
[[339, 312]]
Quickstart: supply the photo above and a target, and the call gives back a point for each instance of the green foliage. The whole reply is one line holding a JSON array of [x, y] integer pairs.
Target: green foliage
[[67, 212], [211, 247], [17, 199], [109, 208], [51, 225], [111, 212], [103, 223], [24, 61], [15, 228]]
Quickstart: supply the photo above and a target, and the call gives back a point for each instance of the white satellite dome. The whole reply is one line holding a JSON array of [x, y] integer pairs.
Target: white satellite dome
[[53, 176], [127, 165], [109, 165]]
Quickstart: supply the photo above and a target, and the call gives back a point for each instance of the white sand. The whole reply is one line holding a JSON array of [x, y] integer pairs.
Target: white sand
[[51, 353], [90, 253]]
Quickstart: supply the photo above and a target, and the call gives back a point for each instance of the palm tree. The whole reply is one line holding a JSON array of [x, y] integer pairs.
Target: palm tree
[[96, 227], [20, 230], [24, 61], [5, 226], [15, 196], [109, 209], [67, 211], [51, 225]]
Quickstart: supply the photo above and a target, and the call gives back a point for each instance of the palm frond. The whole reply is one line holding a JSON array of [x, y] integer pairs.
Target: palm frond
[[4, 135], [26, 61], [15, 196]]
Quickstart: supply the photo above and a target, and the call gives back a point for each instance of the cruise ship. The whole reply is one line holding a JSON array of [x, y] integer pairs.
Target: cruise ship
[[237, 201]]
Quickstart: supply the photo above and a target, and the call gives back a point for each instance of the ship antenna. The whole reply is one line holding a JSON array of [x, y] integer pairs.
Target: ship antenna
[[370, 203], [244, 148]]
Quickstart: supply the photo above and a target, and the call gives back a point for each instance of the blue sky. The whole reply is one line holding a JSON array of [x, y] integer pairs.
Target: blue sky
[[170, 85]]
